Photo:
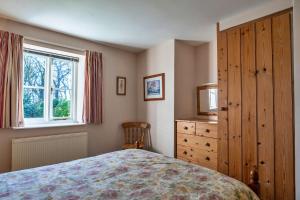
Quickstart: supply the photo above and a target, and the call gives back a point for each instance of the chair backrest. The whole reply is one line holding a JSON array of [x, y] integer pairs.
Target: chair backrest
[[137, 131]]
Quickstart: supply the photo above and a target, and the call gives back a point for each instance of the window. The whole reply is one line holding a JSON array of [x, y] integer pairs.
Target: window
[[50, 87]]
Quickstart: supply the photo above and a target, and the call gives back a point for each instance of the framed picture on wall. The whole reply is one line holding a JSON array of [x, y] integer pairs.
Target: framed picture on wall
[[154, 87], [121, 85]]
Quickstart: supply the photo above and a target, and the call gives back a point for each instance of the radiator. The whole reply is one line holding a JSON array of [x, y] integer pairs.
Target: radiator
[[45, 150]]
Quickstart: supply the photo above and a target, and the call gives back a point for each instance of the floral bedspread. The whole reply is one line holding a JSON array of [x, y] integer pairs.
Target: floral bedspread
[[127, 174]]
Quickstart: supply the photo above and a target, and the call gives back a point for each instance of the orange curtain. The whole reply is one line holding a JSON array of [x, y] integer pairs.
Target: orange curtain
[[11, 80], [92, 108]]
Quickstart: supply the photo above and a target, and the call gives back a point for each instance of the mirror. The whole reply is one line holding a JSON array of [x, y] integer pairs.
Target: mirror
[[207, 99]]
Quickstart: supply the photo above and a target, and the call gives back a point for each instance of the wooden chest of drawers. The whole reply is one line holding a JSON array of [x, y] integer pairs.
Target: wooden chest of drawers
[[197, 141]]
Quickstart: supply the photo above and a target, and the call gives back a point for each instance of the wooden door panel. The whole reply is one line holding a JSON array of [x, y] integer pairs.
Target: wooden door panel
[[234, 104], [283, 107], [222, 103], [265, 108], [249, 130], [256, 122]]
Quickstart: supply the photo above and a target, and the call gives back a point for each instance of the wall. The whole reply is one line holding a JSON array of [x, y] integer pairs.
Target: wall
[[195, 65], [117, 109], [158, 59], [255, 13], [206, 67], [206, 63], [186, 66], [185, 89], [297, 92]]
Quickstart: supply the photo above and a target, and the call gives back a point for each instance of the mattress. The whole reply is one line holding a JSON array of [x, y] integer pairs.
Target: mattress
[[127, 174]]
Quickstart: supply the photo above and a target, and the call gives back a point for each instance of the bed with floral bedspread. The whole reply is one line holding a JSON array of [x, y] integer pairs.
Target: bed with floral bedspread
[[127, 174]]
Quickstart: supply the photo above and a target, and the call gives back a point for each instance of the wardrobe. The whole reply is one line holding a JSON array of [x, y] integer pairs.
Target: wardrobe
[[255, 94]]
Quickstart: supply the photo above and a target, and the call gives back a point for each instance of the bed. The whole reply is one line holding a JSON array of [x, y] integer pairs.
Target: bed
[[127, 174]]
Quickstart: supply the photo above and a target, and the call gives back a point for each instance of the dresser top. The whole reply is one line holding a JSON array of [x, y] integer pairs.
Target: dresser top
[[198, 120]]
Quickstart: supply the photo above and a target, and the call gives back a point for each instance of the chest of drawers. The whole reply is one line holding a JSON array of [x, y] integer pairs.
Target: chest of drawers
[[197, 141]]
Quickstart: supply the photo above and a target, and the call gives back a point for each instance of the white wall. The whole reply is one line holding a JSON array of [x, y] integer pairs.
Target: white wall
[[206, 63], [117, 109], [194, 66], [206, 67], [255, 13], [297, 92], [178, 60], [185, 89], [160, 114]]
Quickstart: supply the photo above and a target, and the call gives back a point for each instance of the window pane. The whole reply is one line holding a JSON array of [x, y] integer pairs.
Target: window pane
[[62, 103], [33, 102], [34, 70], [62, 74]]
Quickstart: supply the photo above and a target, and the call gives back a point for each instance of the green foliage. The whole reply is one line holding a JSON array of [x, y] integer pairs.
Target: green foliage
[[34, 83], [33, 102], [61, 108], [33, 110]]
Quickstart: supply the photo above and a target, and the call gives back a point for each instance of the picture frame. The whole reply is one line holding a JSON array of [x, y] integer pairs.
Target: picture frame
[[121, 85], [154, 87]]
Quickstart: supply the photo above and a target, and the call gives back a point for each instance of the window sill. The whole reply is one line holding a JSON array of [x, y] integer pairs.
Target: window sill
[[48, 125]]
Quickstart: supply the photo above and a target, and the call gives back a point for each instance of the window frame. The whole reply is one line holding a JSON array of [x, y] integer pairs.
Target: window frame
[[51, 89], [48, 87]]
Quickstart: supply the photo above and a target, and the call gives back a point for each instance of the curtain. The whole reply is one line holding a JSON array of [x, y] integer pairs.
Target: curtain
[[92, 100], [11, 80]]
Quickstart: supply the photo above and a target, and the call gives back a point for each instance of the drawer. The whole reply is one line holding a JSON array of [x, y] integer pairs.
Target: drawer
[[207, 130], [187, 160], [186, 127], [197, 156], [207, 159], [197, 142], [187, 153]]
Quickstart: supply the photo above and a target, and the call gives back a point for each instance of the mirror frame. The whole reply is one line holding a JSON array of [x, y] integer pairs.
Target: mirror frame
[[205, 87]]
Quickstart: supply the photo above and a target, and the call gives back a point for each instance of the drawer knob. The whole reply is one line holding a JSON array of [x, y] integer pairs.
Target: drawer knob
[[186, 128], [207, 158], [184, 152], [207, 130], [185, 140], [207, 144]]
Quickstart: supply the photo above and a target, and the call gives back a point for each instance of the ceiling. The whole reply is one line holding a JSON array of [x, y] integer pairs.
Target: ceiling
[[133, 23]]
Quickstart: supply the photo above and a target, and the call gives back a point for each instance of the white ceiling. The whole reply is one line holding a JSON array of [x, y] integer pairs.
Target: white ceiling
[[133, 23]]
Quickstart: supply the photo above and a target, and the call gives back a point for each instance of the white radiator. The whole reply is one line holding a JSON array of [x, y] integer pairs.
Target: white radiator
[[45, 150]]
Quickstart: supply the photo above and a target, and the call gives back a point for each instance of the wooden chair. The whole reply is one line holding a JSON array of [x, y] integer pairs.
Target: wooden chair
[[137, 135]]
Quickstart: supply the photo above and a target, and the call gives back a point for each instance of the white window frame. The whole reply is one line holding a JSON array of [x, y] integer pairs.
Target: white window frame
[[48, 120], [50, 94]]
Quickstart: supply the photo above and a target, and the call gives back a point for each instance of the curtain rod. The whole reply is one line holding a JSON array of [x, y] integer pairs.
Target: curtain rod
[[53, 55], [54, 46]]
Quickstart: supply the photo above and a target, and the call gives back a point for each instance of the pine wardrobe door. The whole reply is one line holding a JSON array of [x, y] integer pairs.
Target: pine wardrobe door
[[265, 111], [234, 103], [283, 107], [222, 104]]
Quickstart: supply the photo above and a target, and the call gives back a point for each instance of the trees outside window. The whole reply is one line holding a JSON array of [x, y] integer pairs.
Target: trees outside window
[[34, 85], [48, 87]]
